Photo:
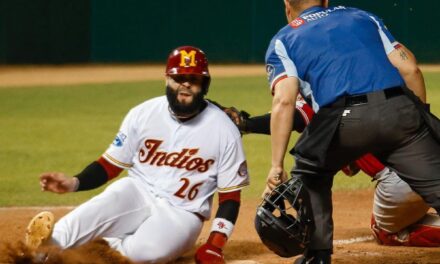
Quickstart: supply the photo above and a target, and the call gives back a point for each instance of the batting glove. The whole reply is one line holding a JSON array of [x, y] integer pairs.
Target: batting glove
[[211, 252]]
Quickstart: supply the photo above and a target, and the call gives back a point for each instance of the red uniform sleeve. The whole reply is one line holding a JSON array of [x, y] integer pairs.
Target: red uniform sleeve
[[370, 164], [234, 196], [304, 110], [112, 170]]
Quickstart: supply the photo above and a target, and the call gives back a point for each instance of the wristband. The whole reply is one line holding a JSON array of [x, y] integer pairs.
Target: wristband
[[222, 225], [75, 188]]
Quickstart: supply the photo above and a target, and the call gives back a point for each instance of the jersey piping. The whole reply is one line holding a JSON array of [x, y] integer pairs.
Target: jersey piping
[[116, 162], [233, 188]]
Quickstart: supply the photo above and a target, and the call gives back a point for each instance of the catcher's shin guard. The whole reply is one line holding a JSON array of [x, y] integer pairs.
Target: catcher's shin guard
[[416, 235], [39, 230], [422, 235]]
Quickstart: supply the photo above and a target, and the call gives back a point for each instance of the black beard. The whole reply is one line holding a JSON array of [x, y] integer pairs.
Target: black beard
[[180, 109]]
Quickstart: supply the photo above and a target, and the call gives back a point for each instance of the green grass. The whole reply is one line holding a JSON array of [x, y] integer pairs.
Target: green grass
[[64, 128]]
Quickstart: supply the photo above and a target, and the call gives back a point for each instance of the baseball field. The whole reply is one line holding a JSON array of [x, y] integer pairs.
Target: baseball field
[[62, 118]]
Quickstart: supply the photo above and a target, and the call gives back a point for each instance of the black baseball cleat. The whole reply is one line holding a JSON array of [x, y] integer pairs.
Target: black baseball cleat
[[315, 257]]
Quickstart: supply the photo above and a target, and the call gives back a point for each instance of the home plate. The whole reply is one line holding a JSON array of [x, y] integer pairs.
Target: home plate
[[243, 262]]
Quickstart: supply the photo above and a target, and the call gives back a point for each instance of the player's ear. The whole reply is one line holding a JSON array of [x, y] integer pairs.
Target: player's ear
[[288, 10], [167, 79]]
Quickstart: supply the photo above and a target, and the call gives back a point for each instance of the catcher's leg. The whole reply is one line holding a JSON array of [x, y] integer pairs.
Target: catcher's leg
[[417, 163], [425, 233], [396, 206], [397, 214], [118, 210]]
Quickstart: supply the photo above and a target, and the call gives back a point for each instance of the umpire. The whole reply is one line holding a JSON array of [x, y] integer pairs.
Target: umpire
[[368, 95]]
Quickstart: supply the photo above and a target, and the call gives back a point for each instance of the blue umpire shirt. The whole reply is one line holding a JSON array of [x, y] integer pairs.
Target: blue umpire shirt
[[334, 52]]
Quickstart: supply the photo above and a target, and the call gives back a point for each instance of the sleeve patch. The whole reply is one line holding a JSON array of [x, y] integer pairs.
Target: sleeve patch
[[119, 139], [243, 170]]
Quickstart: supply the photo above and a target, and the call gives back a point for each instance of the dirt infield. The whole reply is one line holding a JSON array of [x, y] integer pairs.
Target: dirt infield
[[26, 76], [353, 241]]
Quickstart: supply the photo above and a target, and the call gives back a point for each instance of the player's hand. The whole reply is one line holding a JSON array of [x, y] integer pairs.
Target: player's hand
[[233, 114], [266, 192], [276, 176], [209, 254], [57, 182], [240, 118]]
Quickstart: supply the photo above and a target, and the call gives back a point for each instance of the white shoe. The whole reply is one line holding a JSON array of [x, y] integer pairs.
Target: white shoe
[[39, 230]]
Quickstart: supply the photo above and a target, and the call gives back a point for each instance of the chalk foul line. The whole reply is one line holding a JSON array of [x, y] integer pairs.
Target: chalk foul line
[[353, 240]]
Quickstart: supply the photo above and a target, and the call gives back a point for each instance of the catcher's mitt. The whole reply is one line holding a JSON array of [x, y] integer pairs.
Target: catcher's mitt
[[238, 117]]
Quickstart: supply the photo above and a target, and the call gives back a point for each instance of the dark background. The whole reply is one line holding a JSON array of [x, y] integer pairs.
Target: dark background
[[125, 31]]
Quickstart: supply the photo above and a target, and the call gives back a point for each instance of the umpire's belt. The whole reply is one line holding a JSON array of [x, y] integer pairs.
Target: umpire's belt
[[353, 100]]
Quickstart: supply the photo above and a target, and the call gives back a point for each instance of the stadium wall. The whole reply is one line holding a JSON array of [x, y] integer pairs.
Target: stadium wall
[[126, 31]]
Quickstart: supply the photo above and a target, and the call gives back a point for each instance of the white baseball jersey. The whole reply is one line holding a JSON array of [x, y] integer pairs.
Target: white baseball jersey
[[183, 162]]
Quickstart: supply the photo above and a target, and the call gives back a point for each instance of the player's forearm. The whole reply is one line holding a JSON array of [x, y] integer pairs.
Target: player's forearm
[[258, 124], [281, 128], [93, 176], [96, 174], [415, 81], [229, 206], [225, 218], [261, 124], [281, 123]]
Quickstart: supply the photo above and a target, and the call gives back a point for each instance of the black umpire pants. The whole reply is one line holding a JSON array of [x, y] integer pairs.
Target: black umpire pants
[[387, 124]]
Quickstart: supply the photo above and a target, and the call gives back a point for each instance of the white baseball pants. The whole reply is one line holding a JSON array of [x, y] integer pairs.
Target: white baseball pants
[[139, 225]]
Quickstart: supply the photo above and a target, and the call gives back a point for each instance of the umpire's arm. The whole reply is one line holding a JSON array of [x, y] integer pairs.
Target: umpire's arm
[[405, 61], [281, 122]]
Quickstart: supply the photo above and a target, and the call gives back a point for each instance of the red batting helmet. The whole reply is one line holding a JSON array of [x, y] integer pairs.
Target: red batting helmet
[[188, 60]]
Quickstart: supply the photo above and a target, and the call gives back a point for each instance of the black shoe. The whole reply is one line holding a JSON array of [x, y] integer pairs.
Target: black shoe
[[315, 257]]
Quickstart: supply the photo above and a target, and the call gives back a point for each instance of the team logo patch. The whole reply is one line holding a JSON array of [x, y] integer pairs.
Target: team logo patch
[[270, 71], [221, 225], [119, 139], [297, 22], [242, 170]]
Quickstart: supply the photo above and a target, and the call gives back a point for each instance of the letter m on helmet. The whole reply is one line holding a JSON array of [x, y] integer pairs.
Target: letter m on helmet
[[187, 59]]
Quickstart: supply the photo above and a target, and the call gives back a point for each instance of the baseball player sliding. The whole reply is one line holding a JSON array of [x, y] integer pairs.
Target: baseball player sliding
[[400, 216], [179, 149]]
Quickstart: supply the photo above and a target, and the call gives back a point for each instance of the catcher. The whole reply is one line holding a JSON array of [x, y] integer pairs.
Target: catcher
[[400, 216]]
